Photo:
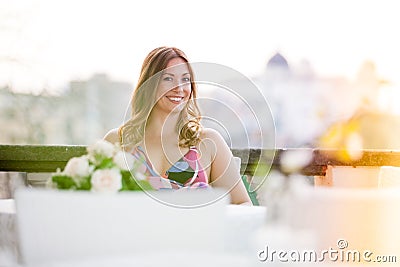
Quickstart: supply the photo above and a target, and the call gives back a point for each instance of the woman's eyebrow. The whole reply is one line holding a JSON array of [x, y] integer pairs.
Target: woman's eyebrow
[[171, 74], [167, 73]]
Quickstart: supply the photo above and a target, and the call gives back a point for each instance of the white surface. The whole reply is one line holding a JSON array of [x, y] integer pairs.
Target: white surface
[[355, 177], [368, 219], [389, 177], [238, 224], [8, 239], [7, 206], [56, 226], [160, 259], [243, 223]]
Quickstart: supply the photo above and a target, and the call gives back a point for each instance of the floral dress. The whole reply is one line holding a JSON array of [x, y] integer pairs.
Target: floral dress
[[187, 172]]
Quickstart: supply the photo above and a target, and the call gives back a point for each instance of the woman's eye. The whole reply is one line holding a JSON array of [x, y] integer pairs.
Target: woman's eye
[[167, 79], [186, 80]]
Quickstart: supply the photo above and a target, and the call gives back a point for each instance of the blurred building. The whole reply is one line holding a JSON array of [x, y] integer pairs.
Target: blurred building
[[302, 107], [101, 104], [82, 114]]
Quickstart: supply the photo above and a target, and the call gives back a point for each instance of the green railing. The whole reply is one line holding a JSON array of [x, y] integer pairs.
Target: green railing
[[47, 158]]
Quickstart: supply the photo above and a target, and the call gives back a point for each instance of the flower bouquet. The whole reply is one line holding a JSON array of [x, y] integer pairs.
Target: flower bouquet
[[105, 168]]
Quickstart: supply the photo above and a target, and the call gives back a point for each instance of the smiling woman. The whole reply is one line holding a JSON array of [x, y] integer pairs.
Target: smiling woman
[[174, 87], [164, 131]]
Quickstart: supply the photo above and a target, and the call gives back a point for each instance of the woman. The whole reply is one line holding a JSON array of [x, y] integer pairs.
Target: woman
[[165, 130]]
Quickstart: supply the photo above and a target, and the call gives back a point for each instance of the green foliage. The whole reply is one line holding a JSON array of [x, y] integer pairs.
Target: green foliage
[[129, 183], [105, 163], [64, 182], [84, 183]]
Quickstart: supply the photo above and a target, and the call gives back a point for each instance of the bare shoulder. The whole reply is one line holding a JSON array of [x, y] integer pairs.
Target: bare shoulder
[[112, 136], [211, 134], [213, 141]]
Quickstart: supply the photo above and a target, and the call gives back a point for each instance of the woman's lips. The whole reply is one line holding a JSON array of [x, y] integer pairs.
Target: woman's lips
[[175, 99]]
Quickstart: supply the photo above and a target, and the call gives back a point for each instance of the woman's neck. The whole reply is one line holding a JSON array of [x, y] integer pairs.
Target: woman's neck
[[161, 125]]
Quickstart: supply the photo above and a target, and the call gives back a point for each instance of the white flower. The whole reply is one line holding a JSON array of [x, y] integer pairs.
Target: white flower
[[124, 160], [77, 167], [107, 180], [101, 147]]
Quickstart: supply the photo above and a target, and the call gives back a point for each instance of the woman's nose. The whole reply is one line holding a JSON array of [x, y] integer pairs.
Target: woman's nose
[[179, 87]]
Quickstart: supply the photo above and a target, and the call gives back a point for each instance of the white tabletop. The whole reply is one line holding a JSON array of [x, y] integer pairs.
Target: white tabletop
[[160, 258], [243, 221]]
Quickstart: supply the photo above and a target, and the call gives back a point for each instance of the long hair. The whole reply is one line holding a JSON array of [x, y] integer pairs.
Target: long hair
[[144, 99]]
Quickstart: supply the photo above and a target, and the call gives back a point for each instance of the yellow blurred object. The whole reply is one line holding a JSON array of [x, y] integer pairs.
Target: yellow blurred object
[[365, 130], [345, 139]]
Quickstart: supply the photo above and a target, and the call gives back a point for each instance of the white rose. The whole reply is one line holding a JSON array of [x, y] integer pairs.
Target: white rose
[[124, 160], [101, 147], [108, 181], [77, 167]]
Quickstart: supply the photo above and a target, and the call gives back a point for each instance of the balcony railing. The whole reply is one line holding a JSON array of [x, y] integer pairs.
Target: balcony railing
[[47, 158]]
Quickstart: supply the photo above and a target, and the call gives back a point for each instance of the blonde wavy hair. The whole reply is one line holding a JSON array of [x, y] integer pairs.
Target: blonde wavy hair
[[144, 99]]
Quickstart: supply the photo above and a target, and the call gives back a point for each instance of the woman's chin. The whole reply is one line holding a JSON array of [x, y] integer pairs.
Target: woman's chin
[[178, 108]]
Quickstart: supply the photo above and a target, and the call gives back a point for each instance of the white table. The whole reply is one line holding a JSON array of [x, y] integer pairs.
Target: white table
[[247, 232], [243, 221]]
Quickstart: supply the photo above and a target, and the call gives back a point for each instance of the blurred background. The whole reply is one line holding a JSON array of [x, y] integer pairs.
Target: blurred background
[[328, 69]]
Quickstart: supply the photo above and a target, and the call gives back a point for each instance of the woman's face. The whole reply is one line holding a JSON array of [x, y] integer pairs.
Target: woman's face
[[174, 87]]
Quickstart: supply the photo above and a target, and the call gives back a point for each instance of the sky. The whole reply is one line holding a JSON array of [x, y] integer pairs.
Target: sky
[[46, 43]]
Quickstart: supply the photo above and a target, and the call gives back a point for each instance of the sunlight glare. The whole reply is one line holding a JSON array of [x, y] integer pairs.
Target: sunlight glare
[[389, 99]]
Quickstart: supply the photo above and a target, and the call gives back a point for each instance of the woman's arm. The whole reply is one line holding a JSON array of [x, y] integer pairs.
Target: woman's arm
[[224, 172]]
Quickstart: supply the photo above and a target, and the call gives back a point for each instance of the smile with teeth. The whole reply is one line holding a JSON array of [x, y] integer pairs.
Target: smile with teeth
[[175, 99]]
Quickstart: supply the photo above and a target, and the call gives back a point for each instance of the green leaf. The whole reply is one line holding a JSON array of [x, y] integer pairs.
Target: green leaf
[[106, 163], [84, 183], [129, 183], [145, 185], [63, 182]]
